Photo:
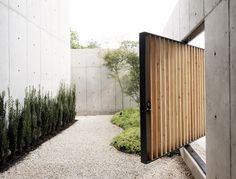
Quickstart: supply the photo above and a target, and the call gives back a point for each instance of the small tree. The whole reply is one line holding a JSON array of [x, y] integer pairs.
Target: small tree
[[124, 68], [132, 81]]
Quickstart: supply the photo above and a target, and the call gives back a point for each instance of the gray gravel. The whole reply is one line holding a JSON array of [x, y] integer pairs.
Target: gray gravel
[[84, 151]]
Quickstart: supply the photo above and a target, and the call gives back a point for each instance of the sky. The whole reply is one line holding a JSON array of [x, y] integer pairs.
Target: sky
[[199, 41], [109, 22]]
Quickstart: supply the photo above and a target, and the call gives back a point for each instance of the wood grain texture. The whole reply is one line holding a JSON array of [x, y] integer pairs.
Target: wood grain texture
[[177, 91]]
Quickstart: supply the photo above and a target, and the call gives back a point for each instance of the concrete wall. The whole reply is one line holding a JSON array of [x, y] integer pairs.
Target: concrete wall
[[219, 17], [96, 92], [34, 45], [186, 17]]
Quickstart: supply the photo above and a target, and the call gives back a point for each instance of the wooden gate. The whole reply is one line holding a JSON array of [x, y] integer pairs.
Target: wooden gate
[[172, 91]]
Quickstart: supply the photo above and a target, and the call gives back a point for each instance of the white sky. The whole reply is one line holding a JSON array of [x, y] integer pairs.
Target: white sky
[[199, 41], [112, 21]]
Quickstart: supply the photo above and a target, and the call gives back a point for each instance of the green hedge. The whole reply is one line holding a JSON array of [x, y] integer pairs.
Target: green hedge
[[128, 140], [40, 116], [127, 118]]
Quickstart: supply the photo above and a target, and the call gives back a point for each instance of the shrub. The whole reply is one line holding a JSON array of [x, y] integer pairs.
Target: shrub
[[3, 130], [127, 118], [40, 116], [14, 117], [128, 141]]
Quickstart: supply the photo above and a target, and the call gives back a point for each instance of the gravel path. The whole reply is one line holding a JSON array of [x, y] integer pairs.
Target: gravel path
[[83, 151]]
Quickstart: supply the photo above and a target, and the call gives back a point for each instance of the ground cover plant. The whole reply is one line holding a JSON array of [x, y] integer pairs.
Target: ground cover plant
[[128, 140], [41, 115]]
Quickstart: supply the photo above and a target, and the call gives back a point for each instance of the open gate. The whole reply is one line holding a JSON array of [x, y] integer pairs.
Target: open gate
[[172, 95]]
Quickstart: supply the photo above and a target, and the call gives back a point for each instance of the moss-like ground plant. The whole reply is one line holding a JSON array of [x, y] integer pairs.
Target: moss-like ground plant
[[128, 140]]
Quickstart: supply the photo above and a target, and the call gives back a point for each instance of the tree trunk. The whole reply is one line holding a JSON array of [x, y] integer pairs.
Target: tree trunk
[[122, 92]]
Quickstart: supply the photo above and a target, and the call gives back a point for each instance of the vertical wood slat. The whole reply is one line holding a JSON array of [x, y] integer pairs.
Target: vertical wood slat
[[177, 90]]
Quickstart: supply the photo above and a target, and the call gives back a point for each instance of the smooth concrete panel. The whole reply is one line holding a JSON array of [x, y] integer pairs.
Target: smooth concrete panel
[[34, 64], [105, 91], [64, 16], [18, 55], [78, 58], [46, 15], [196, 13], [19, 6], [126, 102], [168, 29], [32, 43], [217, 93], [233, 84], [4, 2], [96, 58], [79, 79], [55, 17], [118, 97], [33, 7], [93, 89], [46, 66], [210, 5], [108, 91], [176, 22], [4, 59], [184, 18]]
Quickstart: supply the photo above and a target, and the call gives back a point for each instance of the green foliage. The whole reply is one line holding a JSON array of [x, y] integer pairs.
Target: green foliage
[[129, 139], [133, 80], [123, 64], [92, 44], [74, 40], [127, 118], [40, 116], [14, 117], [3, 130]]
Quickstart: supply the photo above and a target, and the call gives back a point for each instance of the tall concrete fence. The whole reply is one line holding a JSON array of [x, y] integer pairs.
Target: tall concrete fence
[[96, 92], [34, 45]]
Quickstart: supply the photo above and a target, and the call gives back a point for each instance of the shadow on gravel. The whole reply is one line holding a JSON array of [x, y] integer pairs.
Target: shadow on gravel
[[19, 157]]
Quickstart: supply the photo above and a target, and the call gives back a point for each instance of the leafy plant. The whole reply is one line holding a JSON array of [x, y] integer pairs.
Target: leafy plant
[[14, 117], [74, 40], [123, 65], [129, 139], [40, 116], [3, 130], [127, 118]]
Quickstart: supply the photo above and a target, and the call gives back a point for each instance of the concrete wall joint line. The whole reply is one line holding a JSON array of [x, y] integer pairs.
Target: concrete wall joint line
[[28, 20], [206, 15], [9, 61], [230, 120]]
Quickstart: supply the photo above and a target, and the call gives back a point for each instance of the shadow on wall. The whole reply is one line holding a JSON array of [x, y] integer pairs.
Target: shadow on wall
[[96, 92]]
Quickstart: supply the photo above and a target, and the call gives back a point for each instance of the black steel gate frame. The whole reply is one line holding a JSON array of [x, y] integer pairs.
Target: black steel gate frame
[[144, 123]]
